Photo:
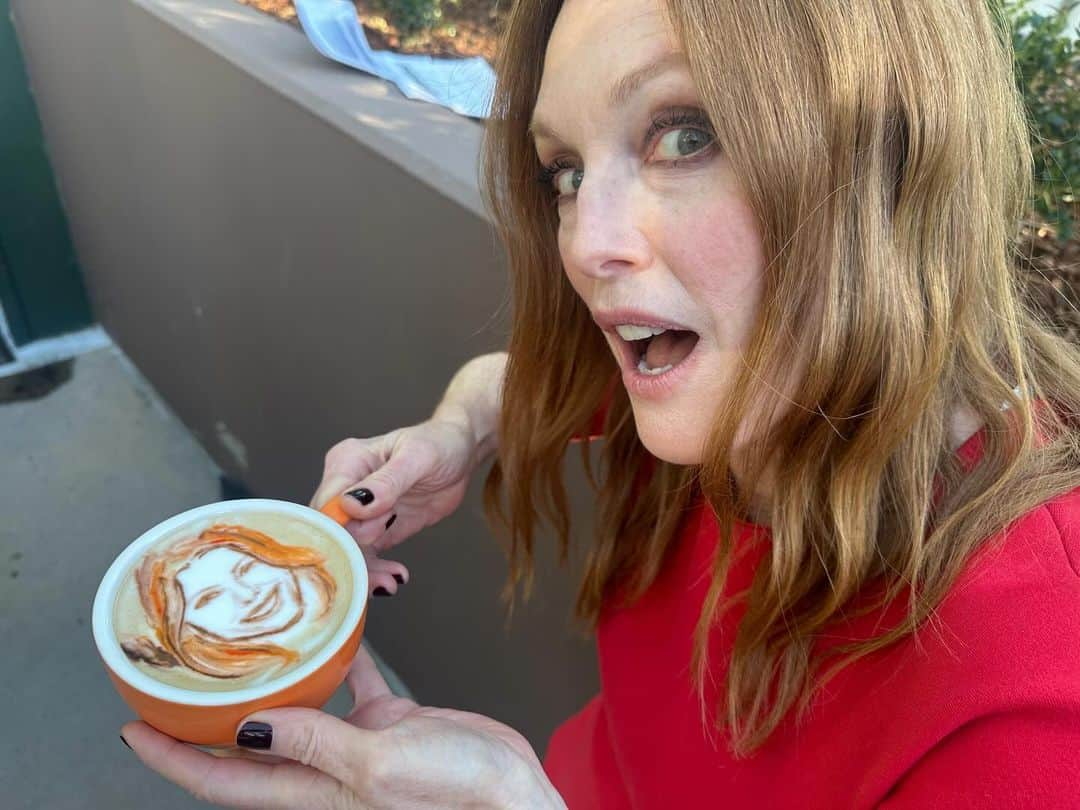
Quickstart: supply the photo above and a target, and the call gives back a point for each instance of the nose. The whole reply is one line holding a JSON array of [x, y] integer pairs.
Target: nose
[[243, 592], [602, 235]]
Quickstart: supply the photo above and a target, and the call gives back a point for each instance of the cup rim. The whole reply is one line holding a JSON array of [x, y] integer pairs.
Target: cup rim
[[105, 598]]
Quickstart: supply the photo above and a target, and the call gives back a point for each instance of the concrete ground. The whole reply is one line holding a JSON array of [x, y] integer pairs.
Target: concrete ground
[[89, 459]]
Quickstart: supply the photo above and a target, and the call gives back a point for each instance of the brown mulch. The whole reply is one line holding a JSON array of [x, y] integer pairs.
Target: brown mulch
[[1051, 269], [468, 28]]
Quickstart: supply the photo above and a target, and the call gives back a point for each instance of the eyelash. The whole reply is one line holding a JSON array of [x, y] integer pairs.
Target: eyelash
[[668, 120]]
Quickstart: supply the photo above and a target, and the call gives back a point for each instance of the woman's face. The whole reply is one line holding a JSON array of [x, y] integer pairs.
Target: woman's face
[[652, 220], [234, 596]]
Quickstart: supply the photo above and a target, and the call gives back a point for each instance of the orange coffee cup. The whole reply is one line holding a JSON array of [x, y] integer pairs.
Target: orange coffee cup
[[211, 718]]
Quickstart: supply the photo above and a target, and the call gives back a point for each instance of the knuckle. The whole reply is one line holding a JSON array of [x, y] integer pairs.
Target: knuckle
[[204, 792], [340, 797], [421, 445], [343, 449], [390, 479], [307, 745], [371, 775]]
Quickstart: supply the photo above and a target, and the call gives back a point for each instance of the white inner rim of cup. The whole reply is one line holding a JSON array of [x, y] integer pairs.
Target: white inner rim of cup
[[105, 600]]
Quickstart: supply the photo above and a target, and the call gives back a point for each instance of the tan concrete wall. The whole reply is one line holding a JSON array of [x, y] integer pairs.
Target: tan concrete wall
[[292, 253]]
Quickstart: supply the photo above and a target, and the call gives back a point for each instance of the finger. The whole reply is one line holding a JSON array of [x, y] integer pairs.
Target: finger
[[333, 486], [345, 462], [373, 532], [389, 482], [316, 739], [364, 680], [231, 782], [387, 574], [235, 752], [375, 706]]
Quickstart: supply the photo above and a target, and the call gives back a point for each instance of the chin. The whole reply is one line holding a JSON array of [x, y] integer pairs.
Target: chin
[[675, 446]]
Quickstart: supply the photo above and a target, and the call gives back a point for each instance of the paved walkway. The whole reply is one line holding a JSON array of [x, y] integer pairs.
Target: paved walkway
[[89, 459]]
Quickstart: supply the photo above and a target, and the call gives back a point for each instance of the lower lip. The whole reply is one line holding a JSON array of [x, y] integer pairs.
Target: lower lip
[[662, 385]]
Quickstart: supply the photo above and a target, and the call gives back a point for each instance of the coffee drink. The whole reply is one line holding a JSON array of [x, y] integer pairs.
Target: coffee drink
[[232, 602]]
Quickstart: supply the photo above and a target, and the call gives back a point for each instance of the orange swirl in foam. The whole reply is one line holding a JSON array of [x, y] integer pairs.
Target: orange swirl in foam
[[222, 603]]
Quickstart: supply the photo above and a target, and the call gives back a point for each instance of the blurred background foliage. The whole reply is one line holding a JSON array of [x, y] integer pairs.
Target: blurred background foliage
[[1048, 74], [411, 17], [1047, 51]]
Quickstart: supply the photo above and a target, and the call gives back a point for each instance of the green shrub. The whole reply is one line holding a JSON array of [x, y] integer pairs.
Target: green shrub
[[1048, 73], [410, 17]]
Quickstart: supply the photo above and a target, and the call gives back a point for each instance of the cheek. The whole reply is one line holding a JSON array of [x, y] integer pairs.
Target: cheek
[[716, 253], [563, 242]]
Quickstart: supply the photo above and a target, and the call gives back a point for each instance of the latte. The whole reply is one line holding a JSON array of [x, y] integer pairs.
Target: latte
[[232, 602]]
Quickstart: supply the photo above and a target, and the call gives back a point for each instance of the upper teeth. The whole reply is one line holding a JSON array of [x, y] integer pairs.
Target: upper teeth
[[629, 331]]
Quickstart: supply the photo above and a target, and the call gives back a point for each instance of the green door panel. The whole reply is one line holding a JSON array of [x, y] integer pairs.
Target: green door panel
[[41, 287]]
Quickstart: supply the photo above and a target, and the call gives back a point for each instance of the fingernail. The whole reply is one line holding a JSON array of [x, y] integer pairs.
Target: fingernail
[[363, 495], [381, 591], [125, 742], [400, 579], [390, 522], [255, 735]]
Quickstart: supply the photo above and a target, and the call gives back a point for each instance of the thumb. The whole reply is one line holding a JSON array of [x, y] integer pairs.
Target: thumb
[[333, 486], [310, 737], [385, 486], [375, 706]]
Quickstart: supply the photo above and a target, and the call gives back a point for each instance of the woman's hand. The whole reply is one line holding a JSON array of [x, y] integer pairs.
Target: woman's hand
[[416, 476], [387, 753]]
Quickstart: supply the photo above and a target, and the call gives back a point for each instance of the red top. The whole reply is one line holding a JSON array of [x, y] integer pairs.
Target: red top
[[991, 721]]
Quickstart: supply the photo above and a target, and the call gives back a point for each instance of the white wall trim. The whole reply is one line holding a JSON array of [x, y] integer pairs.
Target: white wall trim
[[52, 350]]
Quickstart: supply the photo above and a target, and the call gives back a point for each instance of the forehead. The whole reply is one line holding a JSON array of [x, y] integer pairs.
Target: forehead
[[217, 559], [595, 42]]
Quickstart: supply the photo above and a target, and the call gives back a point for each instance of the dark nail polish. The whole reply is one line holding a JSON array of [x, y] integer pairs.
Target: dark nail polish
[[365, 496], [381, 591], [390, 522], [255, 735], [125, 742], [400, 579]]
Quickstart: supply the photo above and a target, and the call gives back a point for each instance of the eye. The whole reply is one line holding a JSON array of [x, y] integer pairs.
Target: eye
[[686, 132], [242, 567], [207, 597], [561, 178], [684, 142], [569, 181], [689, 134]]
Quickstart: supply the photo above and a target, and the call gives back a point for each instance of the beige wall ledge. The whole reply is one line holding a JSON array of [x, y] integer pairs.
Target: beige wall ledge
[[435, 143]]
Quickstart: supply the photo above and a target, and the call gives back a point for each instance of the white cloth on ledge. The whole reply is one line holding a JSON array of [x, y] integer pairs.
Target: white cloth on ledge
[[462, 85]]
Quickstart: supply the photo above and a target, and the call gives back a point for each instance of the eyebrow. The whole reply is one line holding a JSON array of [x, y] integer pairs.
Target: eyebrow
[[624, 88]]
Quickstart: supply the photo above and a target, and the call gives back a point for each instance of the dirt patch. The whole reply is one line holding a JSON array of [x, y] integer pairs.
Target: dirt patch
[[1051, 271], [469, 28], [35, 384]]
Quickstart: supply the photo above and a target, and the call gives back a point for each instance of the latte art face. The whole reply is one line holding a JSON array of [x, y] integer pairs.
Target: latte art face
[[253, 600], [233, 603]]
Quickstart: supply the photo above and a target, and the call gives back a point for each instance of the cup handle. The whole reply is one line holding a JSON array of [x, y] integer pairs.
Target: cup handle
[[332, 509]]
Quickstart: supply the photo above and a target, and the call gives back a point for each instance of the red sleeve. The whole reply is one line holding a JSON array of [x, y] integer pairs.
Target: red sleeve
[[595, 429], [1020, 758]]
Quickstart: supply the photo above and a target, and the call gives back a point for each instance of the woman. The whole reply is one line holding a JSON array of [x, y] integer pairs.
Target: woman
[[837, 560]]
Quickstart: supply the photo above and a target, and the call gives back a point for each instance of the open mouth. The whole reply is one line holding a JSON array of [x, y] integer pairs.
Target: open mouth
[[659, 353]]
